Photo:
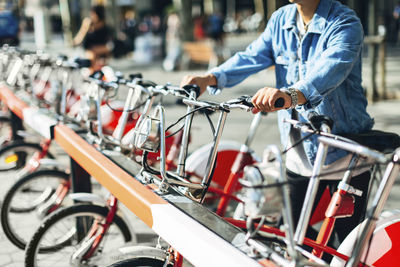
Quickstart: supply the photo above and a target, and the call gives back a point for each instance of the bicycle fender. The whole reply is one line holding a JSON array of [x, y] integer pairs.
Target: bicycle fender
[[197, 161], [383, 249], [143, 251]]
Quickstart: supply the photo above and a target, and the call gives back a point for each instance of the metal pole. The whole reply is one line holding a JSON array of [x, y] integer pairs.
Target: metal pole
[[186, 20], [213, 153], [185, 139], [41, 25], [372, 13], [16, 126], [66, 21], [80, 182], [312, 190]]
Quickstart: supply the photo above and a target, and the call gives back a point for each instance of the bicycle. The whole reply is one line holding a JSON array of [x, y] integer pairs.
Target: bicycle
[[138, 144], [341, 204], [194, 191], [29, 197], [317, 245], [90, 244], [14, 154]]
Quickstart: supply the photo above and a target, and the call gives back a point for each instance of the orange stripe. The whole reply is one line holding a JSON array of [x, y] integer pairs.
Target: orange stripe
[[267, 263], [137, 197], [15, 104]]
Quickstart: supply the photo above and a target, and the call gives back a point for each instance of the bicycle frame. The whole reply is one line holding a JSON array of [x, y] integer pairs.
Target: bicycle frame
[[242, 159], [391, 173]]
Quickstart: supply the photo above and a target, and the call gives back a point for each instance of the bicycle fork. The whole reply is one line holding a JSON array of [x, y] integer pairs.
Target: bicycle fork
[[34, 162], [96, 234]]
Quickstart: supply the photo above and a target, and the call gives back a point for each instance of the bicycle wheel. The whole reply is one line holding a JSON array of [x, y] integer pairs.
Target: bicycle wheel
[[142, 262], [15, 155], [20, 215], [62, 233]]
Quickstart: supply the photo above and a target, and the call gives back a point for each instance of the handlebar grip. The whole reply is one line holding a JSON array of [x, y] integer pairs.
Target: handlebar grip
[[62, 57], [82, 62], [279, 103], [192, 88], [135, 76]]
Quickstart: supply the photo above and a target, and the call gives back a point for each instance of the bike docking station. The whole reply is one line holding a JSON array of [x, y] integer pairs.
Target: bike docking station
[[188, 227]]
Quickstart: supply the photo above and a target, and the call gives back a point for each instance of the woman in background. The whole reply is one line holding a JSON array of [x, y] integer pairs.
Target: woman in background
[[95, 37]]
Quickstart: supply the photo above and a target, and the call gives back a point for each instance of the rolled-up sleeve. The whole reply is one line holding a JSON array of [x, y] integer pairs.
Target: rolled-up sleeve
[[257, 56], [335, 63]]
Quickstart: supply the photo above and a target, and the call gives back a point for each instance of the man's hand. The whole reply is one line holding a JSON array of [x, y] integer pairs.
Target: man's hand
[[202, 81], [265, 98]]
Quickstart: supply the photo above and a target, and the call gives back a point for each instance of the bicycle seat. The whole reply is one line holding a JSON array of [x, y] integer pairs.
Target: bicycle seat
[[381, 141]]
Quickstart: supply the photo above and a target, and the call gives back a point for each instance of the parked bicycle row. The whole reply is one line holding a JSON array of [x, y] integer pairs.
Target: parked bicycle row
[[226, 182]]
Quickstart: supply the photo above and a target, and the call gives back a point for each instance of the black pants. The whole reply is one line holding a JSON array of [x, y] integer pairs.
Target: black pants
[[298, 187]]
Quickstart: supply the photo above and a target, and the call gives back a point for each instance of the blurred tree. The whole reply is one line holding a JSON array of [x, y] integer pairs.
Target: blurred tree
[[259, 6], [185, 9], [273, 5]]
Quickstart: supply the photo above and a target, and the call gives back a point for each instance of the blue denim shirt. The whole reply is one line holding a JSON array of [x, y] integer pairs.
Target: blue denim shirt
[[325, 65]]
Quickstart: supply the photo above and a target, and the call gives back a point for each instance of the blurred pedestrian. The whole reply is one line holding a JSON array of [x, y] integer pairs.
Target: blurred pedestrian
[[130, 28], [215, 27], [95, 37], [199, 28], [173, 42], [9, 27], [125, 41], [396, 16]]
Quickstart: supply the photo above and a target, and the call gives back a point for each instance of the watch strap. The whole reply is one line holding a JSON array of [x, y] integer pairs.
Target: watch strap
[[293, 95]]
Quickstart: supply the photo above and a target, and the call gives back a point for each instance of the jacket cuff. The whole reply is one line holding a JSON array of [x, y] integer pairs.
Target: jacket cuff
[[311, 94], [220, 76]]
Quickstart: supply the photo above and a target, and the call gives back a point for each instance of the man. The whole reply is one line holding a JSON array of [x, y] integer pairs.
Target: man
[[315, 46]]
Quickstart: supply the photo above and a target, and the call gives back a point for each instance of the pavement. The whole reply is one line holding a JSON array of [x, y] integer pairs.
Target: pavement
[[386, 114]]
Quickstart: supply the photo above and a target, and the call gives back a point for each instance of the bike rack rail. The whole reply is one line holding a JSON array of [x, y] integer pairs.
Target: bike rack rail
[[201, 236]]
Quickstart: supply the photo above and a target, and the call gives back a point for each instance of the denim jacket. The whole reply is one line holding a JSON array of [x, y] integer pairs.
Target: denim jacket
[[325, 65]]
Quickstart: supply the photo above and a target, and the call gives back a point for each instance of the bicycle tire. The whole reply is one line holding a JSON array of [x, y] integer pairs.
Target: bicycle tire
[[6, 208], [141, 261], [32, 248], [20, 145]]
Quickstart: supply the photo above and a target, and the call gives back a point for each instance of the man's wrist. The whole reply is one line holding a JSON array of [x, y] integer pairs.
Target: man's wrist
[[293, 93], [212, 80]]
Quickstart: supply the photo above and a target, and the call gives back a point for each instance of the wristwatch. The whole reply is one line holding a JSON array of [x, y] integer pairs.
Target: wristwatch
[[293, 95]]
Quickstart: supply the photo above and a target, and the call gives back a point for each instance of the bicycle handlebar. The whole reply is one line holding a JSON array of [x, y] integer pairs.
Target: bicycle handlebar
[[335, 140]]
